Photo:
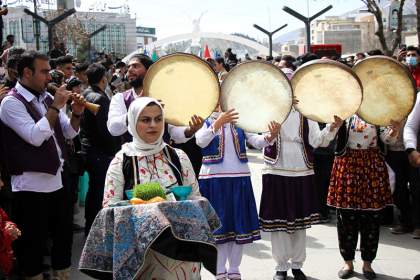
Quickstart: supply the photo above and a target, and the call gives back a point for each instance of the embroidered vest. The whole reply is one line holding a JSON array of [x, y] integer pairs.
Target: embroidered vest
[[272, 153], [126, 137], [21, 156], [343, 138], [214, 152]]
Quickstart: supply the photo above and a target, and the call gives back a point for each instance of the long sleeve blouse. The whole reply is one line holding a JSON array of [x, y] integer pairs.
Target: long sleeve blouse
[[231, 166], [291, 159], [154, 168]]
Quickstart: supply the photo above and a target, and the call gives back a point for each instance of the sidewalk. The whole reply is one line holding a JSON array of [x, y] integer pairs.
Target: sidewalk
[[398, 255]]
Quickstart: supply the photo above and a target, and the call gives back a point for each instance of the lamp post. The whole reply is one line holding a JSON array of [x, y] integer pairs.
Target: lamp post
[[270, 36], [50, 24], [307, 21]]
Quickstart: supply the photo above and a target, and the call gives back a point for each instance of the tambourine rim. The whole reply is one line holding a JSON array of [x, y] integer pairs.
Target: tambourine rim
[[402, 66], [239, 65], [147, 79], [329, 62]]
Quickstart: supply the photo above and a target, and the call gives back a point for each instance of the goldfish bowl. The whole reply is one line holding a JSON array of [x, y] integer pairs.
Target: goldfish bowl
[[181, 192]]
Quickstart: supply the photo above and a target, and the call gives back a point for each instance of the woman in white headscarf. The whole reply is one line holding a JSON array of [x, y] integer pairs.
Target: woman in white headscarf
[[149, 159]]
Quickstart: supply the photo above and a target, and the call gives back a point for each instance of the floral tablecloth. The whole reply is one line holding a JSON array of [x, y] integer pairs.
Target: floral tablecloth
[[116, 245]]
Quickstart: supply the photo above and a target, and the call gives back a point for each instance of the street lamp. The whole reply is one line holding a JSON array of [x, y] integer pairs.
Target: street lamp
[[307, 21], [270, 36]]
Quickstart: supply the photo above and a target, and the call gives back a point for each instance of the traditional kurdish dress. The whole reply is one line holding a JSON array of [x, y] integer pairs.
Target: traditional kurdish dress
[[359, 186], [289, 202], [151, 168], [225, 181], [6, 251]]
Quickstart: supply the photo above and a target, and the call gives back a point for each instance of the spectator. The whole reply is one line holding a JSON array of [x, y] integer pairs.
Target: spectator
[[34, 129], [412, 58], [57, 51], [97, 143], [65, 65], [80, 73]]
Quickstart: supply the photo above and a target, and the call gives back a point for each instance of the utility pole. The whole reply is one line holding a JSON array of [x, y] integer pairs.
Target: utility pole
[[36, 26], [307, 21], [50, 24], [90, 36], [270, 36]]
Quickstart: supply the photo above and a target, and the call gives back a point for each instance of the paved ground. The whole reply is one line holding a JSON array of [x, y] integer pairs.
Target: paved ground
[[398, 256]]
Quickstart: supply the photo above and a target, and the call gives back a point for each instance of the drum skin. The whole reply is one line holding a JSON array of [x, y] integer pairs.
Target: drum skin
[[259, 92], [326, 88], [389, 91], [185, 84]]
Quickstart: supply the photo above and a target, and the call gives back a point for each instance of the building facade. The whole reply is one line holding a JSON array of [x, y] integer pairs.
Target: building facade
[[119, 37]]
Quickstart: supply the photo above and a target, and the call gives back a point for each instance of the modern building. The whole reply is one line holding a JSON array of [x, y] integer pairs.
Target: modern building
[[145, 35], [354, 34], [119, 36]]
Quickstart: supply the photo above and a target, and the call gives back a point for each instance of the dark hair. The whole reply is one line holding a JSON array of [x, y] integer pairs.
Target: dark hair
[[413, 48], [375, 52], [16, 51], [12, 61], [144, 59], [80, 67], [66, 59], [289, 61], [95, 73], [107, 63], [278, 58], [10, 36], [120, 64], [361, 54], [27, 60], [221, 60]]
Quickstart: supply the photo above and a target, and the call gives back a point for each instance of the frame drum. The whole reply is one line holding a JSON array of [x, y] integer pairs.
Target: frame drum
[[185, 84], [326, 88], [260, 92], [389, 90]]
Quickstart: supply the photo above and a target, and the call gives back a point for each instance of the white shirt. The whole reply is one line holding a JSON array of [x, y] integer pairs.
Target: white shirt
[[411, 128], [231, 166], [117, 120], [291, 161], [14, 114]]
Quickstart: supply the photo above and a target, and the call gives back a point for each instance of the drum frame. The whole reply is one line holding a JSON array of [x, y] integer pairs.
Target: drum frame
[[147, 77], [405, 69], [257, 62], [329, 62]]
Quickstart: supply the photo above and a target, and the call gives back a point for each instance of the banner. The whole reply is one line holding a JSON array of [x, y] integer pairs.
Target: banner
[[393, 15]]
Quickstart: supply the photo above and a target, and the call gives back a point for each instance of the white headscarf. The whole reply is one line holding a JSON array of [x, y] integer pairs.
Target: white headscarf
[[138, 147]]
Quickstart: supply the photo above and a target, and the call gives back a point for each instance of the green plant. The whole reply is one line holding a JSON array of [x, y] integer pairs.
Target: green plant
[[148, 191]]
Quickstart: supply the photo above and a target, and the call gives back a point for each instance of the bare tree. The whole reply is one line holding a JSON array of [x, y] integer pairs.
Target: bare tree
[[374, 8]]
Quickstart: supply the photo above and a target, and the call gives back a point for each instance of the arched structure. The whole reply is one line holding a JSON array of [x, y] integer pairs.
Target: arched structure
[[259, 49]]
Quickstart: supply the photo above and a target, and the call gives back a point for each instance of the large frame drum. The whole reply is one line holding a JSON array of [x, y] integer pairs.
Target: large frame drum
[[185, 84]]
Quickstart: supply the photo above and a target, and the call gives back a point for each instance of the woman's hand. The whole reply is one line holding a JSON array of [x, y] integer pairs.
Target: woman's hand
[[395, 128], [194, 125], [226, 117], [338, 122], [274, 128]]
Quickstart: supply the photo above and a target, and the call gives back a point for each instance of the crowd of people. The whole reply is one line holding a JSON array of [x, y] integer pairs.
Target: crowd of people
[[49, 139]]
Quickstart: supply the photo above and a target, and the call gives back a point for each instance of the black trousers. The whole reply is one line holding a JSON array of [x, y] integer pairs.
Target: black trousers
[[398, 161], [40, 216], [415, 193], [96, 166], [352, 222], [323, 164]]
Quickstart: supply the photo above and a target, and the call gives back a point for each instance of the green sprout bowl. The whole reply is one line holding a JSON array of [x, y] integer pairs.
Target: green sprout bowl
[[181, 192]]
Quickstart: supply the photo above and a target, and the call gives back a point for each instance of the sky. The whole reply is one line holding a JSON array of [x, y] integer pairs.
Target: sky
[[171, 17]]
